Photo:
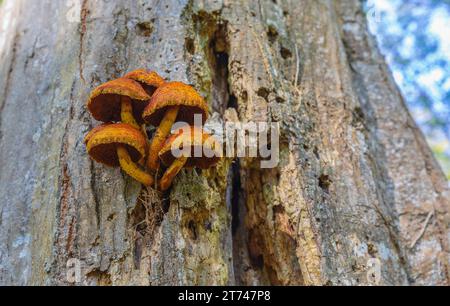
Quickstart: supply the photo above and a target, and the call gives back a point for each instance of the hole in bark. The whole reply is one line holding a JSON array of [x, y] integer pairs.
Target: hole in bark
[[232, 102], [277, 210], [285, 53], [358, 112], [189, 45], [244, 96], [324, 182], [192, 229], [316, 152], [144, 28], [272, 34], [263, 93], [280, 100], [166, 202], [358, 117], [372, 250]]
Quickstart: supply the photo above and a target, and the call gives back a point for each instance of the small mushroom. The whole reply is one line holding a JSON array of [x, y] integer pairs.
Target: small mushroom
[[173, 101], [149, 80], [118, 100], [188, 142], [119, 144]]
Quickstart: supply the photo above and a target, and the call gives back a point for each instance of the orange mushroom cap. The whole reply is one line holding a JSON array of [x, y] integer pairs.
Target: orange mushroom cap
[[149, 80], [190, 140], [175, 94], [102, 141], [105, 101]]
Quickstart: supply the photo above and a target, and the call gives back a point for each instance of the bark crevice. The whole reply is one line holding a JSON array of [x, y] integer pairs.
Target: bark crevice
[[84, 14]]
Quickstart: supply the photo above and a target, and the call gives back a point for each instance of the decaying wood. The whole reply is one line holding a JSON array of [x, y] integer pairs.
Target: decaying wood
[[356, 180]]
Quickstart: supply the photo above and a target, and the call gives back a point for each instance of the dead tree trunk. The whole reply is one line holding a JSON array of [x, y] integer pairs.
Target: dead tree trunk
[[357, 188]]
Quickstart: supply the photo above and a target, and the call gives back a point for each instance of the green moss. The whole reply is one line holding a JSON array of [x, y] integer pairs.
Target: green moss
[[191, 189], [205, 190]]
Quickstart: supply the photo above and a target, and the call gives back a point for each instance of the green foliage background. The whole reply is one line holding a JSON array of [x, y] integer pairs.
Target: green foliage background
[[414, 35]]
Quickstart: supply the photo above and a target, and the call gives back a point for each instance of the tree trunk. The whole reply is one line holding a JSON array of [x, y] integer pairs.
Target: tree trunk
[[357, 190]]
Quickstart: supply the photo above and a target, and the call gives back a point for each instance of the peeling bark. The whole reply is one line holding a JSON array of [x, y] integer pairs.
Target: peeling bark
[[356, 180]]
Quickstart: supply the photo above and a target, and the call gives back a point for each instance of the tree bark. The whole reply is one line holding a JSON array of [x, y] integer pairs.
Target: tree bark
[[356, 183]]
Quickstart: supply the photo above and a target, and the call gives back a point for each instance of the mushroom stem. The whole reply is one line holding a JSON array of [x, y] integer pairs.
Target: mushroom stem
[[143, 160], [131, 168], [172, 172], [126, 112], [160, 136]]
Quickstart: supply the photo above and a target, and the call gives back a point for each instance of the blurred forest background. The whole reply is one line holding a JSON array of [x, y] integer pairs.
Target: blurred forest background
[[414, 36]]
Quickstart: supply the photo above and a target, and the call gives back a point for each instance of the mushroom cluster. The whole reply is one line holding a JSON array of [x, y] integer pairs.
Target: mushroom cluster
[[125, 105]]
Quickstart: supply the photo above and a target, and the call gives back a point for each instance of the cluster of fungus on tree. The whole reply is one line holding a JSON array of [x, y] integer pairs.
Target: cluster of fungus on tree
[[189, 139], [125, 105], [174, 101]]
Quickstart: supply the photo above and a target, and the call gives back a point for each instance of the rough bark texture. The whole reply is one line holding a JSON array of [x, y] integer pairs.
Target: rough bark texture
[[356, 180]]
